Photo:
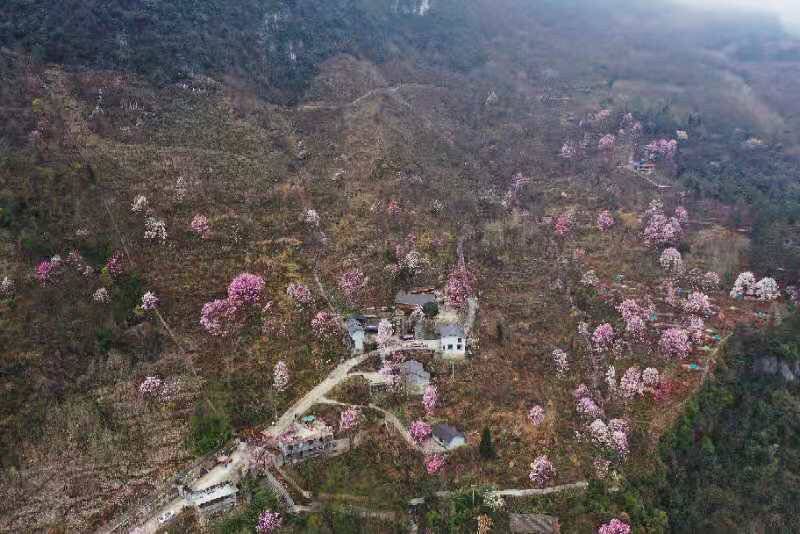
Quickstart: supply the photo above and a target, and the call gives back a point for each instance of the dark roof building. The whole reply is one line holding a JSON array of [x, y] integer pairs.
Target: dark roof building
[[533, 524], [451, 330], [413, 300], [448, 437]]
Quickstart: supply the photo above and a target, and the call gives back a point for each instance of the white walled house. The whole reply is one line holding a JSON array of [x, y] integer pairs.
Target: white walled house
[[453, 341]]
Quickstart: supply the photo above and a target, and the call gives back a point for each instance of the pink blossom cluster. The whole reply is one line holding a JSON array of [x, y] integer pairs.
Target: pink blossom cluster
[[351, 282], [280, 376], [659, 229], [460, 286], [607, 143], [744, 286], [150, 386], [200, 226], [115, 265], [324, 325], [671, 261], [269, 522], [300, 294], [675, 343], [562, 224], [601, 467], [605, 220], [682, 215], [711, 280], [767, 289], [420, 431], [536, 415], [698, 303], [349, 418], [651, 377], [560, 361], [218, 317], [662, 149], [47, 270], [542, 471], [615, 526], [631, 384], [434, 463], [587, 407], [245, 289], [150, 301], [635, 317], [430, 399], [603, 337]]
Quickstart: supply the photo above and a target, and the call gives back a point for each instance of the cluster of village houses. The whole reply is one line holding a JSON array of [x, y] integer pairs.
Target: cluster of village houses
[[444, 334]]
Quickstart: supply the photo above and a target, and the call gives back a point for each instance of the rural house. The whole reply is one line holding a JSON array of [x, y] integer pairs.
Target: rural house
[[453, 340], [306, 440], [215, 499], [415, 377]]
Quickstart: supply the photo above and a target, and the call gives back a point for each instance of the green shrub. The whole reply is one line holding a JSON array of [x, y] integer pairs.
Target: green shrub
[[209, 431]]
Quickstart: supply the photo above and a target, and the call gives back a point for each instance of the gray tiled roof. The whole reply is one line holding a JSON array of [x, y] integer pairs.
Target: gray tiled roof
[[451, 330], [533, 524], [446, 433], [414, 299]]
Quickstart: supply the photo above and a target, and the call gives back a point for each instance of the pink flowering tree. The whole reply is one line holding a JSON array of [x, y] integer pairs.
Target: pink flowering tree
[[536, 415], [430, 399], [603, 337], [352, 283], [675, 343], [460, 286], [434, 463], [246, 289], [300, 294], [698, 303], [615, 526], [48, 270], [562, 225], [560, 361], [325, 325], [631, 385], [150, 387], [586, 406], [420, 431], [605, 221], [200, 226], [542, 471], [269, 522], [218, 317], [635, 317], [115, 265]]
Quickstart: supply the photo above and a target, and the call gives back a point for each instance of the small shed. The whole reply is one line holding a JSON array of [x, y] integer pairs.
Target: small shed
[[448, 437], [533, 524]]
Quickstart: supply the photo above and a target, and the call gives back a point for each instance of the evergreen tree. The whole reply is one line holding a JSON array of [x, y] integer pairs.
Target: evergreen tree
[[487, 446]]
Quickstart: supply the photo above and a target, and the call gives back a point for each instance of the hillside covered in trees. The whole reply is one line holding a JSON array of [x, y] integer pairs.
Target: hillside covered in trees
[[497, 258]]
